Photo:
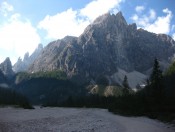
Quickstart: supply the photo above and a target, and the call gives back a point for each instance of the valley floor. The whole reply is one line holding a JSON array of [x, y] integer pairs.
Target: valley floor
[[74, 120]]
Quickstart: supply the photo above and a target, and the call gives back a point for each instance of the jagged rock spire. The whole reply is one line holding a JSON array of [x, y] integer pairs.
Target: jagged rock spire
[[6, 67], [22, 65]]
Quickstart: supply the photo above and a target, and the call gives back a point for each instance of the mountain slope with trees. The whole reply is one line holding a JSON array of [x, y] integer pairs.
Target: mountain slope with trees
[[106, 45], [46, 87]]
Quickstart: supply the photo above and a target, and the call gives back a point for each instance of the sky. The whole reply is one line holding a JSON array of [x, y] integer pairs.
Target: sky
[[26, 23]]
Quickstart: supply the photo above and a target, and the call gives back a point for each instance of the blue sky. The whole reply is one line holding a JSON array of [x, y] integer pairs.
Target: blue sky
[[26, 23]]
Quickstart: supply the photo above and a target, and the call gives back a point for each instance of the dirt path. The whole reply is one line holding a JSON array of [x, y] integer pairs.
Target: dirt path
[[74, 120]]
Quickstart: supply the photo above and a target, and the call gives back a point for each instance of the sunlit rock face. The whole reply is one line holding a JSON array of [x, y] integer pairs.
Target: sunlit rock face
[[106, 45]]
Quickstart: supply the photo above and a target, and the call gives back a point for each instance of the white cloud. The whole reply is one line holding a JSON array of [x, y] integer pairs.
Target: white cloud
[[98, 7], [15, 17], [5, 8], [62, 24], [154, 24], [17, 37], [73, 22], [161, 24], [152, 14], [144, 20], [139, 9], [135, 17]]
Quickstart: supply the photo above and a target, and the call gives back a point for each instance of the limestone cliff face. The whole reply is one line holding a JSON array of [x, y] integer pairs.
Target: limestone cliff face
[[57, 55], [107, 44]]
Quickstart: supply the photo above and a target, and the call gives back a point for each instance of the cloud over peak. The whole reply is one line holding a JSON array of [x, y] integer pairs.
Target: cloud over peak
[[152, 23], [162, 23], [62, 24], [98, 7], [17, 37], [73, 22]]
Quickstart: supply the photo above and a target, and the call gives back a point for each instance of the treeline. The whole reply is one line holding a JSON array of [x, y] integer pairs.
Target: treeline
[[10, 97], [156, 100], [38, 88], [24, 76], [169, 79], [51, 87]]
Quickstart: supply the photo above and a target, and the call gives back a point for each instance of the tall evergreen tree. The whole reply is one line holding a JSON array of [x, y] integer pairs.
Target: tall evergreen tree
[[125, 82], [156, 82], [125, 86]]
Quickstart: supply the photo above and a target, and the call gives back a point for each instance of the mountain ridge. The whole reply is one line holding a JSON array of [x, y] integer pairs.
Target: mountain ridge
[[23, 65], [105, 45]]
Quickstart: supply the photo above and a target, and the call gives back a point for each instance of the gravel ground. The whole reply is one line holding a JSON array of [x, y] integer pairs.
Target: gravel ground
[[74, 120]]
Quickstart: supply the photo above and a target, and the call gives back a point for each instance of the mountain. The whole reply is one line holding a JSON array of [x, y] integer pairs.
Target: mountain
[[6, 68], [105, 46], [3, 80], [2, 77], [23, 65]]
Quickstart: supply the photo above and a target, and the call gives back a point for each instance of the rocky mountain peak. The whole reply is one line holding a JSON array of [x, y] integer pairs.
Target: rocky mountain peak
[[36, 53], [19, 59], [22, 65], [102, 18], [133, 26], [40, 46], [120, 18], [6, 67], [111, 18], [106, 45], [107, 27], [26, 56], [7, 60], [7, 63]]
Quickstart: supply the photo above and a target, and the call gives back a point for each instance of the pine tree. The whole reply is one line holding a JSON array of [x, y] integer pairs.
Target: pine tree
[[156, 82], [125, 82], [125, 86]]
